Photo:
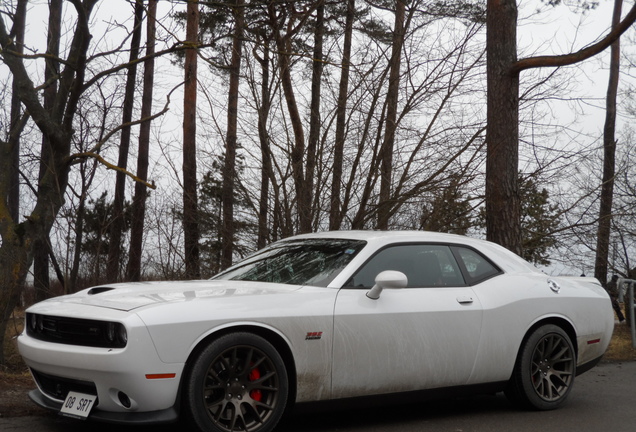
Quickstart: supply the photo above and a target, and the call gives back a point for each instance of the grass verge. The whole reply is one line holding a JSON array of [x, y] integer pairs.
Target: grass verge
[[620, 348]]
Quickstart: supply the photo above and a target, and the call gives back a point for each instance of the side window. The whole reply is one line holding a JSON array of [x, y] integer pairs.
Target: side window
[[423, 265], [478, 268]]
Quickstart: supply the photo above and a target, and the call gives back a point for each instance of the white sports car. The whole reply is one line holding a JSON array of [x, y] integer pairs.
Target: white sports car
[[317, 317]]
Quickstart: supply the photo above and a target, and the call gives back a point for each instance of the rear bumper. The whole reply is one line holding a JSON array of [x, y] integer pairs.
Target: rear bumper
[[587, 366]]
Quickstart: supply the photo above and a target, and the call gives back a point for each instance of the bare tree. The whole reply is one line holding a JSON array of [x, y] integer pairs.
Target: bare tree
[[229, 166], [419, 163], [336, 212], [16, 120], [305, 207], [386, 151], [267, 173], [141, 191], [16, 116], [117, 223], [286, 23], [42, 248], [609, 156], [190, 222], [16, 253], [78, 76], [503, 221]]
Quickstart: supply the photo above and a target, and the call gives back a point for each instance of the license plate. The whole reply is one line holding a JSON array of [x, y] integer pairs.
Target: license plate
[[78, 405]]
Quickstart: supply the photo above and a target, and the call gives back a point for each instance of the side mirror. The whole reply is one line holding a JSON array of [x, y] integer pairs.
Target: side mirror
[[387, 279]]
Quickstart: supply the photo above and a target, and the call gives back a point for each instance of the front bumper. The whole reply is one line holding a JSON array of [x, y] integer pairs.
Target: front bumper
[[151, 386], [169, 415]]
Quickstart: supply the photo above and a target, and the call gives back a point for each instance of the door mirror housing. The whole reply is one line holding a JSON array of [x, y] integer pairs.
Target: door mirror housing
[[387, 279]]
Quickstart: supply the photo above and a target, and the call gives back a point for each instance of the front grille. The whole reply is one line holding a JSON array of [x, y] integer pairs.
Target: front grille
[[58, 388], [74, 331]]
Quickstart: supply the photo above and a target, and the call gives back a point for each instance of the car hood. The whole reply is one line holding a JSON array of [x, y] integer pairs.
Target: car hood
[[129, 296]]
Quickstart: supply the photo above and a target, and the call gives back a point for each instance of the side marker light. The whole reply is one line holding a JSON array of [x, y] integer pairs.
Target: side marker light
[[160, 376]]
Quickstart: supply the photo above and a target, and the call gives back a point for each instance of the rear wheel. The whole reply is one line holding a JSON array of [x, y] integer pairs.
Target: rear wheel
[[544, 371], [237, 383]]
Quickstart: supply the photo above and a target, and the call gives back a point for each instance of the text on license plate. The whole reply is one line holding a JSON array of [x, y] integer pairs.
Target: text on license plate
[[78, 405]]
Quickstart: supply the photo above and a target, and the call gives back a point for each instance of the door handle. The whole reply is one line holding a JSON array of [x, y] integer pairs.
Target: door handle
[[464, 299]]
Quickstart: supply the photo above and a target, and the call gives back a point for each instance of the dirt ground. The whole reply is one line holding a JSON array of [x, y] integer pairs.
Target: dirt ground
[[14, 399], [15, 379]]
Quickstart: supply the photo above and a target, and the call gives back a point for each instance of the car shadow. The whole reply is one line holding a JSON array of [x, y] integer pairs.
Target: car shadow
[[387, 413]]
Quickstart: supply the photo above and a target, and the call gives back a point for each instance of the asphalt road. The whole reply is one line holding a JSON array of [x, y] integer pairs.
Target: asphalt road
[[603, 399]]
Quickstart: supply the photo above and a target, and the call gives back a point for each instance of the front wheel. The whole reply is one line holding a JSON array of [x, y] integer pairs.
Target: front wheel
[[238, 383], [544, 372]]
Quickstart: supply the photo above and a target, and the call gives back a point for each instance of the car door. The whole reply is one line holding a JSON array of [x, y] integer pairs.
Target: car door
[[423, 336]]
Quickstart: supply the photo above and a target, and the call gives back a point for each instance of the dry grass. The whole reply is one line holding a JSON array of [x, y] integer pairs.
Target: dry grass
[[620, 348], [14, 364], [15, 379]]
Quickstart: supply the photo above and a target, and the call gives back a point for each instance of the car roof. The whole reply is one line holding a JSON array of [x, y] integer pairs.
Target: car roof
[[507, 260], [394, 237]]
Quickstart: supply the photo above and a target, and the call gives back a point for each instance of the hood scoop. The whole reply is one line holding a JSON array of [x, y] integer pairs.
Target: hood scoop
[[98, 290]]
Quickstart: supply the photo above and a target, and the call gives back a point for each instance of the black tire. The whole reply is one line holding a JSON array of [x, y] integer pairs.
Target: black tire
[[236, 383], [544, 371]]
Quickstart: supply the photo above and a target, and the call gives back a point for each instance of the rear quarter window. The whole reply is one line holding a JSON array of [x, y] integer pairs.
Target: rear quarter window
[[477, 267]]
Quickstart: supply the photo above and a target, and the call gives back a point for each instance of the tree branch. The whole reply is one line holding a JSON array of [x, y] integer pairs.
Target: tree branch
[[576, 57], [165, 109], [113, 167]]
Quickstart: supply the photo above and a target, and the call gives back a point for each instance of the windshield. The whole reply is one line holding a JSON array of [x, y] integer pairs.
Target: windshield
[[314, 262]]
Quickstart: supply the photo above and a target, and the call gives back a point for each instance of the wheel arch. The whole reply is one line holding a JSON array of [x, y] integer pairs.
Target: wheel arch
[[561, 322], [279, 343]]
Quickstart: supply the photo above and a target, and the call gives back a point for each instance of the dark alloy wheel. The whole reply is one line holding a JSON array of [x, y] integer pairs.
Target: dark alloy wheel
[[237, 383], [545, 370]]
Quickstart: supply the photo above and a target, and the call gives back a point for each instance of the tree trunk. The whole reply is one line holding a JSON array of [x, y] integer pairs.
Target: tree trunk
[[133, 271], [13, 200], [503, 211], [42, 250], [10, 164], [609, 157], [336, 211], [386, 152], [190, 202], [117, 223], [266, 171], [305, 206], [15, 261], [229, 166], [71, 286]]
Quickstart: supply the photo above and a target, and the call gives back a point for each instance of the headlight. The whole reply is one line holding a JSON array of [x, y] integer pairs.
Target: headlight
[[110, 332], [116, 334], [122, 334]]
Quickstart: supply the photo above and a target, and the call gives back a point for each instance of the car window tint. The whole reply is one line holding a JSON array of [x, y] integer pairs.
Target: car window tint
[[299, 262], [477, 266], [424, 266]]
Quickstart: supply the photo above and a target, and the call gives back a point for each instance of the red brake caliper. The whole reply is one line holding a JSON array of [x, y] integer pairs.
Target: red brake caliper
[[253, 376]]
